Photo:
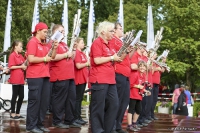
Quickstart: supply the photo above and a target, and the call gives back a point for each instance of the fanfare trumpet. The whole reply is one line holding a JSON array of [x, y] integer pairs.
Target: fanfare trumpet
[[76, 28], [161, 64], [126, 42], [158, 38], [163, 55]]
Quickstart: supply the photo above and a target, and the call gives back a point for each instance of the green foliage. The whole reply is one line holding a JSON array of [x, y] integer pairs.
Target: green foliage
[[196, 109]]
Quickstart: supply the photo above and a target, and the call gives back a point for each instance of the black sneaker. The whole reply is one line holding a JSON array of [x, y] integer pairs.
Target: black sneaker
[[15, 117], [136, 126], [61, 125], [132, 129], [81, 121], [21, 117], [75, 125], [144, 124], [34, 130], [139, 125], [120, 131], [155, 118], [147, 121], [44, 129]]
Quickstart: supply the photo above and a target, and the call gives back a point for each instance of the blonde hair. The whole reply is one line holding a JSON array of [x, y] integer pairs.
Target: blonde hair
[[103, 26], [77, 40], [55, 27], [142, 63]]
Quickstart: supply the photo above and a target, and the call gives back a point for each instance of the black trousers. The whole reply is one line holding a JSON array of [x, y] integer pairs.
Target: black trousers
[[17, 91], [70, 102], [154, 93], [123, 91], [38, 99], [146, 107], [50, 98], [63, 100], [80, 88], [104, 107]]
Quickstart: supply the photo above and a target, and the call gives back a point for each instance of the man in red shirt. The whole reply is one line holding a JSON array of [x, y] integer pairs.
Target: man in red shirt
[[104, 99], [37, 75], [122, 73]]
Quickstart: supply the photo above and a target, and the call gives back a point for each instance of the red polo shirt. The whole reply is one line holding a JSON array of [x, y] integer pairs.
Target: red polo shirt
[[156, 75], [62, 69], [36, 48], [16, 75], [81, 75], [102, 73], [135, 59], [135, 79], [124, 66]]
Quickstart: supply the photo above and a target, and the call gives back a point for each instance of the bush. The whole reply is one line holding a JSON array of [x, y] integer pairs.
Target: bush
[[196, 108]]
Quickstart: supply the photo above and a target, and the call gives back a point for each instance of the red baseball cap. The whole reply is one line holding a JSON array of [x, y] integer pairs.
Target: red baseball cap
[[40, 26]]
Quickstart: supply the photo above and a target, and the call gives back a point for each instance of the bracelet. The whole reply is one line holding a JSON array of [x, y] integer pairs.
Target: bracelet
[[112, 58], [87, 64], [66, 55], [45, 59]]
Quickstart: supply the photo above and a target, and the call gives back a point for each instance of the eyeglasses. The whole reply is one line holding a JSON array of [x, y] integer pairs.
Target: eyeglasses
[[111, 31]]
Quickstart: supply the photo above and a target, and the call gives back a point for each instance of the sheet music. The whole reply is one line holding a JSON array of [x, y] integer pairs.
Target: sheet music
[[57, 36]]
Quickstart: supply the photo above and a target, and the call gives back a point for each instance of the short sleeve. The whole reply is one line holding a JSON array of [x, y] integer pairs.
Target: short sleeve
[[134, 80], [96, 49], [31, 47], [11, 61], [77, 57], [134, 59]]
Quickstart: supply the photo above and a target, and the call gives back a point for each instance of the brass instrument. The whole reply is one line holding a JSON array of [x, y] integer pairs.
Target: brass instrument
[[163, 55], [76, 29], [4, 52], [126, 42], [158, 38], [161, 64], [137, 38]]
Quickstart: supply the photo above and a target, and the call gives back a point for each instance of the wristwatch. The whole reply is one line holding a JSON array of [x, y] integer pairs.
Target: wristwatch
[[112, 58]]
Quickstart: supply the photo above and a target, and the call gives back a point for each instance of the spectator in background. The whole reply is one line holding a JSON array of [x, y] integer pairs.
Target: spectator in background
[[175, 96], [182, 102], [188, 94], [165, 90]]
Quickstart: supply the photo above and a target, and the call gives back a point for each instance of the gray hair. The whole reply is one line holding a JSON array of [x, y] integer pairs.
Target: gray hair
[[103, 26]]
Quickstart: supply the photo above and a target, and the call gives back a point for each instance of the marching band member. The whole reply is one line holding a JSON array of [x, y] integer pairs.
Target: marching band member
[[104, 99], [17, 68], [136, 88], [147, 101], [122, 73], [81, 77], [37, 75], [138, 56], [157, 70], [63, 91]]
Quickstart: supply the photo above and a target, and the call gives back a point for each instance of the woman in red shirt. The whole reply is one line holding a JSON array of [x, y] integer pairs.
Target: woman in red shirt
[[81, 77], [17, 68], [37, 75], [137, 88], [104, 99], [63, 90]]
